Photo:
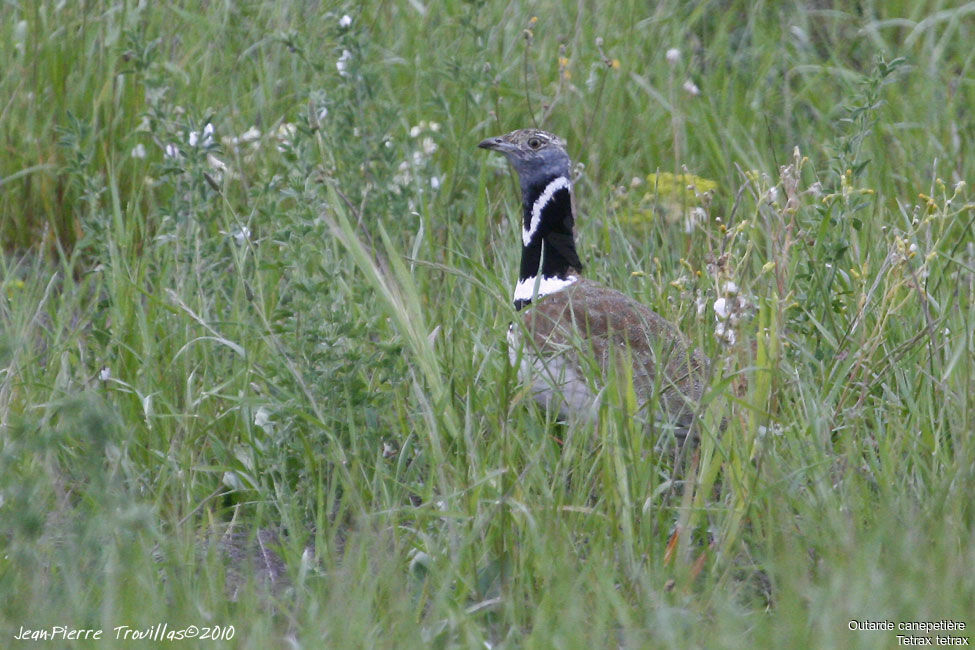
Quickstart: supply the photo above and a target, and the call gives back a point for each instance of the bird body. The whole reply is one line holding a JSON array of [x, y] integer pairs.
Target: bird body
[[573, 328]]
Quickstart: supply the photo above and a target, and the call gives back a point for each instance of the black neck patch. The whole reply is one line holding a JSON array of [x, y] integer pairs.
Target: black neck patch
[[548, 223]]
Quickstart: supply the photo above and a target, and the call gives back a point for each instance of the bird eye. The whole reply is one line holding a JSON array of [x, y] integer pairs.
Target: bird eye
[[534, 143]]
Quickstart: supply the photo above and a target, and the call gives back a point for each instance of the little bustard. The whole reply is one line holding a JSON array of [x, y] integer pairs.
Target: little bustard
[[574, 324]]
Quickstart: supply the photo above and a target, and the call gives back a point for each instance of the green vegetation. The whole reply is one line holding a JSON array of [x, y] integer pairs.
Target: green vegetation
[[297, 321]]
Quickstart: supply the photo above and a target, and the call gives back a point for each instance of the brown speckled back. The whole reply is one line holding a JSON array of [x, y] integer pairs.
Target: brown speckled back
[[587, 318]]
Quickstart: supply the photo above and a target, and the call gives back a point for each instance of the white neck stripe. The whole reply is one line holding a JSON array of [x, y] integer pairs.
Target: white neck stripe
[[525, 289], [554, 186]]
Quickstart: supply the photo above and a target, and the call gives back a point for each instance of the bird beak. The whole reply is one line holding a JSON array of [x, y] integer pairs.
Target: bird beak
[[495, 144]]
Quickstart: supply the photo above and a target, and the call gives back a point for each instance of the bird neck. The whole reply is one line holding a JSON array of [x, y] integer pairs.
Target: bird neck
[[549, 261]]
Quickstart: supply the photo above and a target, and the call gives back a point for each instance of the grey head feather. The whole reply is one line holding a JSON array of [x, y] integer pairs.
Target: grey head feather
[[537, 156]]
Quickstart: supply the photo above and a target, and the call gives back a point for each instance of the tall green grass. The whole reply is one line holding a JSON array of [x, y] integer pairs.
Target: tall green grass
[[298, 322]]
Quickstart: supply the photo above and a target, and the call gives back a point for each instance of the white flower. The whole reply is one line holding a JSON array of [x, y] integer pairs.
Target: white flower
[[345, 21], [139, 151], [434, 126], [429, 146], [194, 137], [20, 36], [691, 88], [673, 56], [262, 418], [105, 373], [435, 182], [216, 164], [729, 310], [322, 114], [241, 235], [343, 63], [725, 332], [403, 177], [721, 308], [232, 480], [171, 151], [285, 134], [249, 138], [250, 135], [700, 303], [415, 131], [695, 216], [218, 167], [775, 430], [246, 144], [741, 305]]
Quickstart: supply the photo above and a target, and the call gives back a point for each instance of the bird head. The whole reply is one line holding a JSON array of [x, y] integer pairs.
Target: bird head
[[536, 155]]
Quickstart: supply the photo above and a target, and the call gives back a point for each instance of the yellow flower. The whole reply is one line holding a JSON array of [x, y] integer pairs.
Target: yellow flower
[[14, 286], [564, 68], [676, 197], [685, 187]]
